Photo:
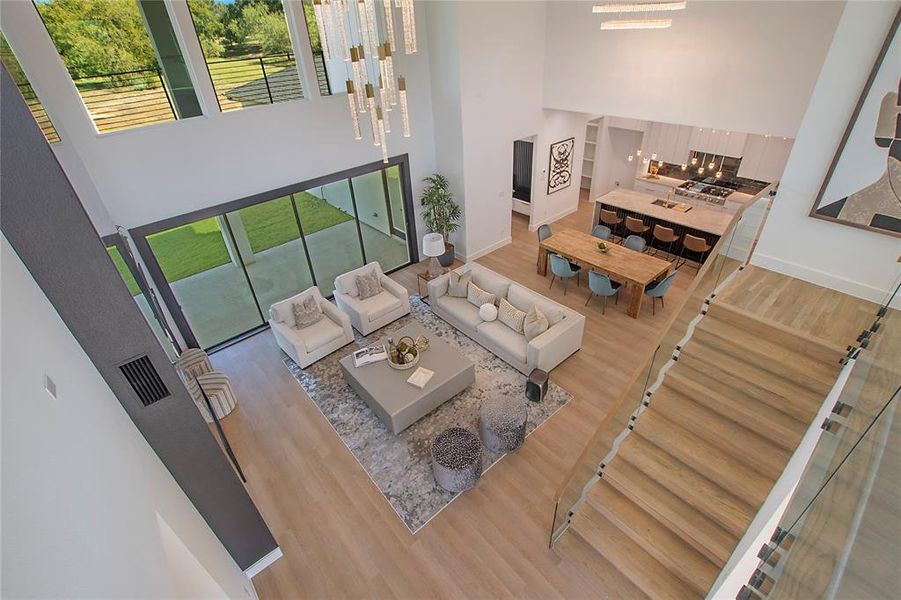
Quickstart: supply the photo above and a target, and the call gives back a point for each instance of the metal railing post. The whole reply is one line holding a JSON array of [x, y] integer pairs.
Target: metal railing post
[[159, 73], [266, 79]]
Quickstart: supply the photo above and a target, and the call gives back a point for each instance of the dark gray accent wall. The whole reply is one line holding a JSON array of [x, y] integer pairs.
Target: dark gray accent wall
[[45, 223]]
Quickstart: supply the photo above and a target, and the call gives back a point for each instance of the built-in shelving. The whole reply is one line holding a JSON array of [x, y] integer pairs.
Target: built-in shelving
[[591, 138]]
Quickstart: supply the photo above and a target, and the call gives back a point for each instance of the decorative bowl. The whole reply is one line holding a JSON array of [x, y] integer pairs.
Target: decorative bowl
[[603, 247], [404, 366], [409, 348]]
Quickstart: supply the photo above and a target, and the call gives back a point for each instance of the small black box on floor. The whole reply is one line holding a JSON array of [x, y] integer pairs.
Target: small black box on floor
[[536, 386]]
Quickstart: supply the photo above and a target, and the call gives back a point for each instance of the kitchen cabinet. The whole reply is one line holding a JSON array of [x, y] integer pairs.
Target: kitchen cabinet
[[670, 142], [657, 189], [717, 141], [765, 157]]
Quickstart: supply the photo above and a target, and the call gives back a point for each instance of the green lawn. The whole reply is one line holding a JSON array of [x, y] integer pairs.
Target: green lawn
[[124, 271], [197, 247]]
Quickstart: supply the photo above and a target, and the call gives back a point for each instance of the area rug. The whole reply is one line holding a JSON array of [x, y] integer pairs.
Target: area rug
[[400, 465]]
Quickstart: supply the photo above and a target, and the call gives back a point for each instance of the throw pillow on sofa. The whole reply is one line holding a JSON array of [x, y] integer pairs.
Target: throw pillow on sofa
[[534, 324], [306, 313], [368, 285], [477, 296], [510, 316], [458, 285]]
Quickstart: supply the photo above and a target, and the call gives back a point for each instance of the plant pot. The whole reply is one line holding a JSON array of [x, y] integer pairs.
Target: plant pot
[[447, 259]]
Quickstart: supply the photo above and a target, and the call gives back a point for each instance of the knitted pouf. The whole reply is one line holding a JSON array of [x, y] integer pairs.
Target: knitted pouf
[[457, 459], [503, 423]]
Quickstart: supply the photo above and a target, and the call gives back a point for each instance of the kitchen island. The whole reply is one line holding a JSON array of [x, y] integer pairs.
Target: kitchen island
[[711, 221]]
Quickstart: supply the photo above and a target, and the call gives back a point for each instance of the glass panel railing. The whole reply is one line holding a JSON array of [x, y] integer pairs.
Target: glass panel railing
[[840, 534], [732, 251]]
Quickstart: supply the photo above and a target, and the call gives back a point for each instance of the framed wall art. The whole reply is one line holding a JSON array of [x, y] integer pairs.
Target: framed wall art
[[560, 165], [862, 187]]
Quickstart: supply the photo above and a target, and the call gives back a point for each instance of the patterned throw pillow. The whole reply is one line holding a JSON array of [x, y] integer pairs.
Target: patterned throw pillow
[[535, 323], [510, 316], [458, 285], [368, 285], [477, 296], [306, 313]]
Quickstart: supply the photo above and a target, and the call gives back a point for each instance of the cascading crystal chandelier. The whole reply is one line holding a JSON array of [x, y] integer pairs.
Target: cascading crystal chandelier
[[638, 8], [357, 32]]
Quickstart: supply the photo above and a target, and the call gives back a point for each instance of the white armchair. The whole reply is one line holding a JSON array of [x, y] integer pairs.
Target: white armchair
[[306, 346], [374, 312]]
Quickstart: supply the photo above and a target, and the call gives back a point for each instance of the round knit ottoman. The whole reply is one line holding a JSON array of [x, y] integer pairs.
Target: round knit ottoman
[[503, 423], [457, 459]]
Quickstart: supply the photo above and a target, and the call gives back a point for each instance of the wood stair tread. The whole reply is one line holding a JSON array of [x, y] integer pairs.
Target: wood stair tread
[[767, 352], [703, 457], [596, 570], [782, 429], [736, 439], [729, 511], [668, 548], [642, 569], [701, 532], [741, 378], [783, 335]]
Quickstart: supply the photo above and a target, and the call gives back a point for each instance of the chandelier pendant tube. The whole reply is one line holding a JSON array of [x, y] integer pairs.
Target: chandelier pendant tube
[[356, 59], [341, 19], [389, 77], [381, 125], [321, 27], [404, 110], [373, 118], [354, 117], [383, 99], [369, 6], [389, 25]]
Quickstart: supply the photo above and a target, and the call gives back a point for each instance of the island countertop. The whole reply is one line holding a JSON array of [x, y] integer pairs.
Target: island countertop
[[714, 221]]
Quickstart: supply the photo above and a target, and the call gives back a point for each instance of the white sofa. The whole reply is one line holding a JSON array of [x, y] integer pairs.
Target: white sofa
[[306, 346], [545, 351], [374, 312]]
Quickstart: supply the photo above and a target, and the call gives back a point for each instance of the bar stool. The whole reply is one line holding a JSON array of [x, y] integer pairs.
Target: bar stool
[[697, 245], [636, 226], [611, 220], [665, 235]]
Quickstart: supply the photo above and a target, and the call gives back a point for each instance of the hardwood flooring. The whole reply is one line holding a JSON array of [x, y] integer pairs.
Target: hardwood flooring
[[341, 539]]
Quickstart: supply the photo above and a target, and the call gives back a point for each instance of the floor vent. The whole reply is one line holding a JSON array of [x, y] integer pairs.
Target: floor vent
[[144, 380]]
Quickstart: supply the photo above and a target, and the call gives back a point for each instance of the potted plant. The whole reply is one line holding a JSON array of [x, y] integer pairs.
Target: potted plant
[[440, 213]]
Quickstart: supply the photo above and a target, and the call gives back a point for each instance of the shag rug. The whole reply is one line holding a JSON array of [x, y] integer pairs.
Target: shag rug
[[400, 465]]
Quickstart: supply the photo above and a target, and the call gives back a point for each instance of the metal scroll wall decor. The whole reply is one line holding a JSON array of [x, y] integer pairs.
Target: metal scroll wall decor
[[560, 166]]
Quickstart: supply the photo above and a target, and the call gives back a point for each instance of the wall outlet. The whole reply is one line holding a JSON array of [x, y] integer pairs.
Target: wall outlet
[[616, 183]]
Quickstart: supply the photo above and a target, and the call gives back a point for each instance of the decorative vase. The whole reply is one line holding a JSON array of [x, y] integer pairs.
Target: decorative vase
[[447, 259]]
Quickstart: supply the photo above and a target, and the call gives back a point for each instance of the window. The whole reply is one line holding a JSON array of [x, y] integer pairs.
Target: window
[[220, 274], [31, 99], [124, 59], [330, 74], [248, 51]]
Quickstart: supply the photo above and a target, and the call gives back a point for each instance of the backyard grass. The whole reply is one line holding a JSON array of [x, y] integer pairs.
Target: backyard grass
[[197, 247], [124, 271]]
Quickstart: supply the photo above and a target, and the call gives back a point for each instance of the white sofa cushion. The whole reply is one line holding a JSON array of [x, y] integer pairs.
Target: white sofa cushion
[[461, 309], [491, 282], [504, 338], [380, 305], [510, 316], [523, 299], [534, 324], [477, 296]]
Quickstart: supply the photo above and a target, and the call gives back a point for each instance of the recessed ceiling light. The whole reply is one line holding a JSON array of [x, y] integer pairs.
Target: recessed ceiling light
[[633, 7], [637, 24]]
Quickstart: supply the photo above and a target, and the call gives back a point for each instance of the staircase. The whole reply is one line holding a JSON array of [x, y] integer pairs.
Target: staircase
[[686, 483]]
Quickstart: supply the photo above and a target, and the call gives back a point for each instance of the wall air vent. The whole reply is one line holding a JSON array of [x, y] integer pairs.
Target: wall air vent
[[144, 380]]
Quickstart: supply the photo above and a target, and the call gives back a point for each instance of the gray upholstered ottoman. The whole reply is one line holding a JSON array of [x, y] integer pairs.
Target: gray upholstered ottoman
[[503, 423], [457, 459]]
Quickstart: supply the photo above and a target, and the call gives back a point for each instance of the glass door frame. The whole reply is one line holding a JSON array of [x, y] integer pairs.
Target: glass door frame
[[140, 234]]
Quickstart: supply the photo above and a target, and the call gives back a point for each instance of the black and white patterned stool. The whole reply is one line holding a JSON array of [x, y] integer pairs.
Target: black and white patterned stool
[[503, 423], [457, 459]]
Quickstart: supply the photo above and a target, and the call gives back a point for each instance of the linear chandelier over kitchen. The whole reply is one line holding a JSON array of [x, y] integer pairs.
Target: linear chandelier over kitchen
[[638, 7], [353, 35]]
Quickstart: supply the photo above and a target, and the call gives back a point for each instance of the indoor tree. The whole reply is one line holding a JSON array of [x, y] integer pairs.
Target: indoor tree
[[439, 211]]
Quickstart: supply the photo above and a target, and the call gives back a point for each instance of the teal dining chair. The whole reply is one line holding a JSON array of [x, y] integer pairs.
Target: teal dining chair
[[601, 285], [658, 290], [601, 231], [635, 242], [562, 268]]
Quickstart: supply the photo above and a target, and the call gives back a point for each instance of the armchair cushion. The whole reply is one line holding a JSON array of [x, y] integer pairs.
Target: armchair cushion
[[319, 334], [368, 285], [347, 283], [380, 305], [306, 313]]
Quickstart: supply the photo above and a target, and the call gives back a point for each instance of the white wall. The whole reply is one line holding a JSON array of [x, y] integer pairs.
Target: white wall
[[150, 173], [557, 125], [850, 260], [83, 495], [740, 65], [612, 166]]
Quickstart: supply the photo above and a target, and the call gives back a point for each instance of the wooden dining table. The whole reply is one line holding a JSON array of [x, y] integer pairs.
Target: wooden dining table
[[635, 270]]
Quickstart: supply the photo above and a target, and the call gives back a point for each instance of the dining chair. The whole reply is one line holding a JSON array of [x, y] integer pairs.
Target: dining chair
[[601, 285], [611, 220], [698, 246], [665, 235], [658, 290], [544, 232], [601, 231], [635, 242], [636, 227], [562, 268]]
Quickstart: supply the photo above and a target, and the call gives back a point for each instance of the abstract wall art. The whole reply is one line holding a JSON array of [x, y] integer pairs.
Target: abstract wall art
[[560, 165]]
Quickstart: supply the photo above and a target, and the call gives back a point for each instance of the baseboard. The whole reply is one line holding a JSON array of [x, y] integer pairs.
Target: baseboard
[[486, 250], [552, 218], [257, 567], [828, 280]]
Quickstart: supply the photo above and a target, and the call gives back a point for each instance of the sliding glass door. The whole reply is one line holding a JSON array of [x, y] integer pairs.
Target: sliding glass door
[[219, 271]]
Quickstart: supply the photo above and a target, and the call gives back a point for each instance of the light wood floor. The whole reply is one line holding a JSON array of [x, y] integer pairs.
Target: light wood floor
[[342, 539]]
